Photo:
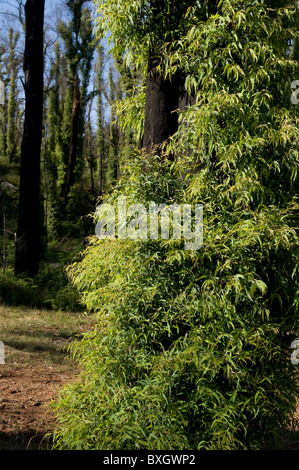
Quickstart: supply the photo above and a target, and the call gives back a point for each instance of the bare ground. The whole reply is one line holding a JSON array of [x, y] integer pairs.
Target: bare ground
[[37, 366], [25, 396]]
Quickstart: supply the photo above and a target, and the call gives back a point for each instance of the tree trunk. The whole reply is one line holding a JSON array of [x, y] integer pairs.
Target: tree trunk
[[70, 171], [28, 244], [163, 96], [161, 108], [12, 101]]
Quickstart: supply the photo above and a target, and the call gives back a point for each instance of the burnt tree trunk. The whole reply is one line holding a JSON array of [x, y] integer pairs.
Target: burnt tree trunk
[[163, 95], [161, 108], [70, 171], [28, 244]]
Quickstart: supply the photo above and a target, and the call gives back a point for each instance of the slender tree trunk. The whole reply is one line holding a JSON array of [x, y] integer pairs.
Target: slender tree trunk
[[12, 101], [3, 117], [100, 119], [89, 145], [70, 171], [28, 244]]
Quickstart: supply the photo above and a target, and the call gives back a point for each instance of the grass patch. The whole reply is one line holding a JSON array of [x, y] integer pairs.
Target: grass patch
[[39, 336]]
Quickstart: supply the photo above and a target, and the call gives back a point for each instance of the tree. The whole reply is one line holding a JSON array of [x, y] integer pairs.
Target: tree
[[54, 97], [3, 106], [151, 25], [79, 44], [28, 245], [112, 158], [100, 138], [12, 99], [294, 53], [192, 347], [162, 94]]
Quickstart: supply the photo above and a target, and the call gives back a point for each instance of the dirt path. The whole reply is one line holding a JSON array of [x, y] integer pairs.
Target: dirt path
[[25, 396], [36, 367], [25, 416]]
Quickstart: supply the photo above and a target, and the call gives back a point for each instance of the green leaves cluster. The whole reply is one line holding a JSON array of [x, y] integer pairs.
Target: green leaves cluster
[[191, 348]]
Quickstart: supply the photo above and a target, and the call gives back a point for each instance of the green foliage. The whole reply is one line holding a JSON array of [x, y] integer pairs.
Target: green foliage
[[55, 292], [10, 111], [15, 291], [79, 45], [49, 289], [11, 145], [192, 348]]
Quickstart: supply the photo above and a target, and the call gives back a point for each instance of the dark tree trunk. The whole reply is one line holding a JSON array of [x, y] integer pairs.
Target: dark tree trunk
[[163, 96], [161, 108], [28, 245], [70, 171]]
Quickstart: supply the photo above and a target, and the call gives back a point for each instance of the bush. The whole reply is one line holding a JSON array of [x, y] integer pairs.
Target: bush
[[17, 291], [55, 290], [192, 348]]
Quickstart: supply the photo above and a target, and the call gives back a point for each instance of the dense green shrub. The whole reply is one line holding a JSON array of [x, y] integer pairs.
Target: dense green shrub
[[55, 291], [192, 348]]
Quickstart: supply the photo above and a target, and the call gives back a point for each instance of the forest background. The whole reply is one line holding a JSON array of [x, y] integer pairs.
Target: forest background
[[191, 349]]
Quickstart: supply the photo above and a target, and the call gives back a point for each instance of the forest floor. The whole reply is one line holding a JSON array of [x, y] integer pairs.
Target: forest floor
[[37, 366]]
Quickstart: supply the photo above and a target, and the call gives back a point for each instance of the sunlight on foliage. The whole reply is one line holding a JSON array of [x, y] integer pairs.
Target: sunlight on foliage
[[191, 348]]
